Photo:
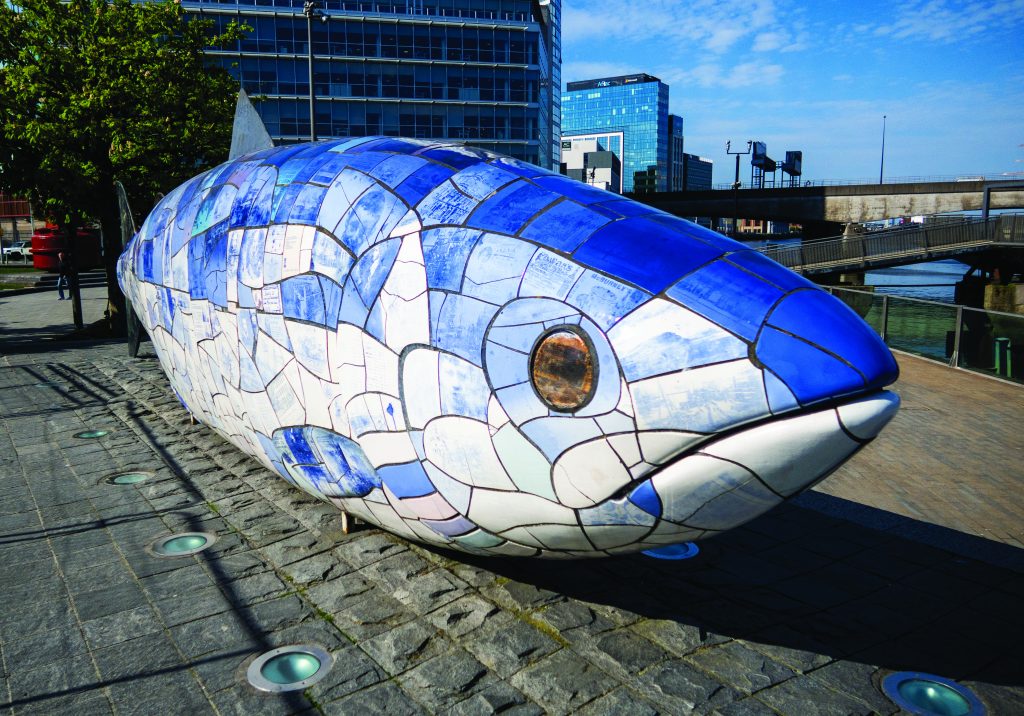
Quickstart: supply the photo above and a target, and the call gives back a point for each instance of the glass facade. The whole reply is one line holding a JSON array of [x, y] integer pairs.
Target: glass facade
[[696, 172], [637, 106], [483, 71]]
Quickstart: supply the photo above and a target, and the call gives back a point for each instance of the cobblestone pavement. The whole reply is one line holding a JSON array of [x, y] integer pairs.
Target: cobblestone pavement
[[908, 558]]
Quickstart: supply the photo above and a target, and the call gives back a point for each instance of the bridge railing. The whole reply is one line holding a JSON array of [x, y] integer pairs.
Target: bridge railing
[[989, 342], [922, 241]]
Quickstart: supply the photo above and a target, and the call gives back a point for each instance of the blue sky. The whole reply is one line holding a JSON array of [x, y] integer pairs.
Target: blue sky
[[819, 76]]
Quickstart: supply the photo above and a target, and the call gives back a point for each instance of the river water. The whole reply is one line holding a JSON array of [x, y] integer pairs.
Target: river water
[[932, 281]]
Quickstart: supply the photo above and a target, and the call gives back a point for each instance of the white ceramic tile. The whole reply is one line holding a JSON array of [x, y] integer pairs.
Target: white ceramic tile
[[462, 448], [588, 474]]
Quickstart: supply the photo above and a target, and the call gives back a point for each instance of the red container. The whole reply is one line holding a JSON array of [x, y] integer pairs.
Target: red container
[[49, 241]]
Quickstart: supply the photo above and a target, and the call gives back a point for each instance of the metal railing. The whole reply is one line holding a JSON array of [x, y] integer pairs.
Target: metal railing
[[975, 339], [929, 179], [921, 242]]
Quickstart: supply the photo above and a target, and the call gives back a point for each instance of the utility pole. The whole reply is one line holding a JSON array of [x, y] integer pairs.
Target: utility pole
[[736, 185], [311, 9], [881, 167]]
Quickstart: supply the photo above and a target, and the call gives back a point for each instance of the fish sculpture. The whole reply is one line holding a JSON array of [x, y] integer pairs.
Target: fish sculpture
[[473, 352]]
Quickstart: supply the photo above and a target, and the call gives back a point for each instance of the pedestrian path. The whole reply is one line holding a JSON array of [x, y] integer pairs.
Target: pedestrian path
[[907, 558]]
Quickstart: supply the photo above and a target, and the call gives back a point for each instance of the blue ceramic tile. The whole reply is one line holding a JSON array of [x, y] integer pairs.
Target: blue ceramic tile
[[457, 158], [303, 299], [780, 398], [307, 205], [278, 155], [770, 271], [394, 170], [464, 389], [646, 498], [575, 190], [246, 298], [330, 259], [367, 161], [422, 181], [812, 375], [697, 232], [825, 321], [505, 366], [215, 208], [351, 473], [370, 219], [507, 211], [353, 310], [299, 166], [397, 145], [529, 311], [406, 480], [520, 403], [445, 205], [625, 208], [299, 451], [375, 322], [330, 166], [461, 325], [495, 268], [253, 203], [250, 257], [657, 256], [445, 252], [564, 226], [604, 300], [247, 328], [372, 269], [454, 527], [251, 381], [729, 296], [482, 180], [272, 324], [556, 435], [523, 169]]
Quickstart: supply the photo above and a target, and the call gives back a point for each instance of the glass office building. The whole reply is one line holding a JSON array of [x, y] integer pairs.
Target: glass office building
[[637, 106], [486, 72]]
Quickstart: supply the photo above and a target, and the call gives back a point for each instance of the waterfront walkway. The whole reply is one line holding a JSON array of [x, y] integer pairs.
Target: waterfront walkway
[[909, 557]]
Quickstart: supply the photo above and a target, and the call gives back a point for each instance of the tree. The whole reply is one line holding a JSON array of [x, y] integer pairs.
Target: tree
[[98, 91]]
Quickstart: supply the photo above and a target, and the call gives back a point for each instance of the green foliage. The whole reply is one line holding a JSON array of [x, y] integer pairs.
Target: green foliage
[[93, 92]]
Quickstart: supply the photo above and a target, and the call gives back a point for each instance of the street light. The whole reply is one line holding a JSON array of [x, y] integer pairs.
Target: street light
[[881, 167], [736, 184], [311, 9]]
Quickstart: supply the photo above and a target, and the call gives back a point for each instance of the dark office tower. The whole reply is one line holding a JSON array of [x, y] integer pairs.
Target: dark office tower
[[676, 163], [637, 106], [487, 72]]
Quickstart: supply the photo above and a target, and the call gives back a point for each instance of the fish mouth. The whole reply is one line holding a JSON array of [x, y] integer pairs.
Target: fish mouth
[[733, 479]]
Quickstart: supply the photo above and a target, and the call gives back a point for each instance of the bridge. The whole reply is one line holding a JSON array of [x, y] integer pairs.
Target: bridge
[[841, 204], [987, 244]]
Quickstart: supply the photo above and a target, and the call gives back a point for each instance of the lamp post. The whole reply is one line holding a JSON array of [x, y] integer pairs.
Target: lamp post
[[736, 185], [881, 167], [311, 9]]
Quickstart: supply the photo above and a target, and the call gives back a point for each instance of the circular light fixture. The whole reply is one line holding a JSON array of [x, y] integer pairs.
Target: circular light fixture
[[930, 695], [686, 550], [562, 370], [127, 478], [92, 434], [182, 544], [289, 668]]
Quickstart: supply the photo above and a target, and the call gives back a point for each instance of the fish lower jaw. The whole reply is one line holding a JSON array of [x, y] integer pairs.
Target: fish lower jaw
[[737, 478]]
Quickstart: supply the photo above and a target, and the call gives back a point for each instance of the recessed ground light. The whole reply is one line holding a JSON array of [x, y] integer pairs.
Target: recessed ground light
[[92, 434], [930, 695], [289, 668], [686, 550], [127, 478], [182, 544]]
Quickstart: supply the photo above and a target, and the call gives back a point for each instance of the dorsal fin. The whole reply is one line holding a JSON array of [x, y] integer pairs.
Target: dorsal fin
[[248, 134]]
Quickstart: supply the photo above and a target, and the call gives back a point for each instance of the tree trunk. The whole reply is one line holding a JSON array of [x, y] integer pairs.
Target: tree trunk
[[70, 232], [110, 224]]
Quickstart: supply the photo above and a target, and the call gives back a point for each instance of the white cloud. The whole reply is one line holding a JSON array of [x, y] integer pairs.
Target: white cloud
[[947, 20]]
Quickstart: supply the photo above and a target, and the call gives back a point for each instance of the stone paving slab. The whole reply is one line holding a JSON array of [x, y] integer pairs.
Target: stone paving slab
[[802, 611]]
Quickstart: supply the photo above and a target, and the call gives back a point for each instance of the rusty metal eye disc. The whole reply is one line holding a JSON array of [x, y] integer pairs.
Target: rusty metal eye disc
[[563, 371]]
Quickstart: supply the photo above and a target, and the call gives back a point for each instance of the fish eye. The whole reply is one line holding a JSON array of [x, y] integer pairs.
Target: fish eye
[[562, 369]]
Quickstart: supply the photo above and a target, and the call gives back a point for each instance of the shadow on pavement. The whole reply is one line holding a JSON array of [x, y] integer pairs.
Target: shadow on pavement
[[797, 579]]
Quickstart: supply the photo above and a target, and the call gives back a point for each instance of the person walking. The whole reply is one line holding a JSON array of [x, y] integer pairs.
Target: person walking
[[62, 279]]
